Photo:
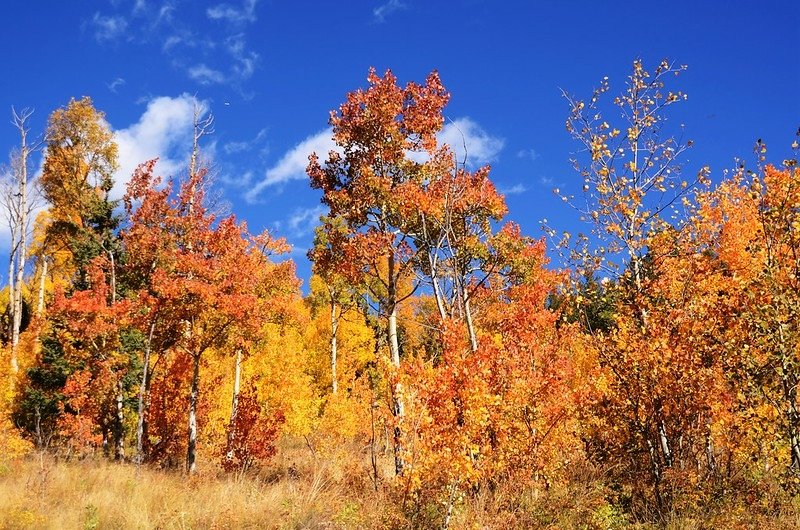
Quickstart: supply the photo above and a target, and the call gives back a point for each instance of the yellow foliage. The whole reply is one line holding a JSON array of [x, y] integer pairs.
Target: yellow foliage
[[278, 369]]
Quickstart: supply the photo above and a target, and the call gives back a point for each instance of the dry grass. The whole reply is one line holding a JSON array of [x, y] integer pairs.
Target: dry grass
[[302, 490], [92, 494]]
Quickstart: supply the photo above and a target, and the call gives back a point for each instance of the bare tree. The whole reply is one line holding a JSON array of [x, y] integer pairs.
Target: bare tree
[[203, 125], [20, 198]]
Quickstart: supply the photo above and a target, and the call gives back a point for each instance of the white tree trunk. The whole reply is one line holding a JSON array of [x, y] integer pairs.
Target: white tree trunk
[[119, 426], [191, 450], [234, 404], [42, 279], [334, 346], [142, 406], [394, 348], [19, 243]]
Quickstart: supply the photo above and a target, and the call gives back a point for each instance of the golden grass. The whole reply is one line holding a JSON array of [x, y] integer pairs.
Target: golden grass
[[304, 490], [39, 492]]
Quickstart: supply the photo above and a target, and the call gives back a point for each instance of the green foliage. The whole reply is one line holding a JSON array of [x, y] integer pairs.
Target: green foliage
[[41, 400]]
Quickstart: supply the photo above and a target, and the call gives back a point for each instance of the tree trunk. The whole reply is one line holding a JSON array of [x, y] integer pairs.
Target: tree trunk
[[18, 281], [22, 233], [141, 409], [662, 436], [437, 289], [234, 405], [789, 387], [42, 279], [394, 347], [119, 426], [11, 305], [191, 450], [473, 339], [334, 333], [113, 277]]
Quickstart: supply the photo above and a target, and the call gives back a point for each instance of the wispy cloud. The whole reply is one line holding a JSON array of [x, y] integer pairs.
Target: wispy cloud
[[139, 6], [235, 147], [205, 75], [469, 142], [380, 13], [115, 84], [240, 61], [516, 189], [529, 154], [244, 60], [292, 166], [164, 130], [108, 28], [171, 42], [218, 54], [303, 220], [227, 12], [547, 181]]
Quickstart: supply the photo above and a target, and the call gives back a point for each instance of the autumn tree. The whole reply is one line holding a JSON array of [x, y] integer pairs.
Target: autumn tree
[[19, 199], [373, 186], [772, 299], [331, 289], [505, 410], [199, 277], [632, 188], [747, 230], [77, 178], [99, 347], [80, 227], [453, 229]]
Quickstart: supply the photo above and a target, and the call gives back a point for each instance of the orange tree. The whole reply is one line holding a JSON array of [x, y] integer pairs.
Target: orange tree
[[199, 281], [372, 188], [649, 369], [750, 228], [504, 411]]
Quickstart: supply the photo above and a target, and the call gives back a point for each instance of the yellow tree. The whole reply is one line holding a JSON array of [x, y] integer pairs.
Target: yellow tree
[[77, 177], [632, 187]]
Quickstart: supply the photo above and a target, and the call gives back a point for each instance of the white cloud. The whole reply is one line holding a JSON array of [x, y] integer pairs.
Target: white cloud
[[292, 166], [469, 142], [205, 75], [171, 41], [115, 84], [530, 154], [303, 220], [209, 55], [139, 6], [244, 146], [244, 60], [108, 28], [384, 10], [232, 14], [516, 189], [164, 131], [165, 14]]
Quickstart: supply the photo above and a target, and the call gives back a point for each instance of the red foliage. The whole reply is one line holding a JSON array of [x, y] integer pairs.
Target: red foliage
[[251, 433]]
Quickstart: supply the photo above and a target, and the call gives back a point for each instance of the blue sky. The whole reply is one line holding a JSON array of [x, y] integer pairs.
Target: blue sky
[[271, 71]]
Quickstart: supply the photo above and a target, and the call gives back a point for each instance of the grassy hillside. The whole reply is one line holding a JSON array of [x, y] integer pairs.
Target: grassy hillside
[[301, 491]]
